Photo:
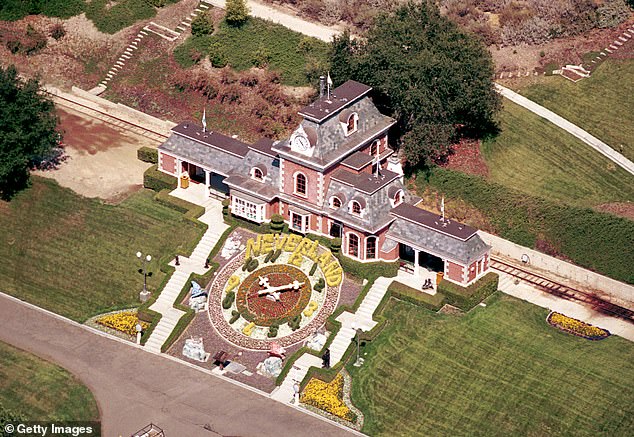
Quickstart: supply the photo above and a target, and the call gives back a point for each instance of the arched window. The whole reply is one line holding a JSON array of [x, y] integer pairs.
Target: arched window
[[398, 197], [374, 148], [300, 184], [335, 202], [370, 248], [257, 174], [353, 245], [356, 208], [352, 124]]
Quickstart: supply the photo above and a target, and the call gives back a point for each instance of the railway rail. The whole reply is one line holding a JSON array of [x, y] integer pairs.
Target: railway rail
[[117, 122], [563, 291]]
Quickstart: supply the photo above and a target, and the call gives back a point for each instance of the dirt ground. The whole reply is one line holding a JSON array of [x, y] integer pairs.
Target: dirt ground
[[101, 160]]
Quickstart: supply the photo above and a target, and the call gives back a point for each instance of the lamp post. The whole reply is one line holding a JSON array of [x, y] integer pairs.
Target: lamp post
[[145, 294], [357, 333]]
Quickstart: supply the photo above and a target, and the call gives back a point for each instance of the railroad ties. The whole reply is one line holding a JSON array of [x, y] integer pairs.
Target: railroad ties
[[564, 291]]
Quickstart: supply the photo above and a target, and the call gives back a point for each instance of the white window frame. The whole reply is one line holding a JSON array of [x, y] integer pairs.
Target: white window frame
[[305, 220], [295, 175], [393, 199], [254, 177], [356, 124], [248, 210], [359, 246], [331, 203]]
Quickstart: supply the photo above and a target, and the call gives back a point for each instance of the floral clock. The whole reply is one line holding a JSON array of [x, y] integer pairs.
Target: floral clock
[[280, 289]]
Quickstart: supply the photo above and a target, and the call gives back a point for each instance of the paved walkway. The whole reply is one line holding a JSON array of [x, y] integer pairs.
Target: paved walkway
[[534, 295], [561, 122], [194, 264], [293, 22], [134, 388]]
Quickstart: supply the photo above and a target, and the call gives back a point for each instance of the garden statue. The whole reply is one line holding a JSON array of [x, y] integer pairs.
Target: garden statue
[[317, 341], [198, 297], [194, 349], [277, 350], [271, 367], [326, 359], [197, 290]]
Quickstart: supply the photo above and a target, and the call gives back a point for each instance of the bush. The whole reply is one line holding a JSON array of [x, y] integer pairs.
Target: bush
[[237, 12], [273, 331], [202, 25], [313, 269], [27, 44], [157, 180], [335, 245], [319, 285], [416, 297], [252, 265], [235, 315], [466, 298], [246, 264], [58, 31], [228, 300], [147, 154], [294, 322]]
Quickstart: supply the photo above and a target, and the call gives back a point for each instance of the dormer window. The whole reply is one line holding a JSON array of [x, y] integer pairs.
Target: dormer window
[[335, 202], [300, 184], [356, 208], [351, 125], [257, 174], [374, 148], [398, 197]]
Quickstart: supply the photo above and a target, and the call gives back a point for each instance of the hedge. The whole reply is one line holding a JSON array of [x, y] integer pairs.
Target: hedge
[[416, 297], [157, 180], [191, 210], [147, 154], [145, 313], [466, 298]]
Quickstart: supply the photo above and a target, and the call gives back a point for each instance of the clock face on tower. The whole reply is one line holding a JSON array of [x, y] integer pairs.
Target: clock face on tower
[[300, 143]]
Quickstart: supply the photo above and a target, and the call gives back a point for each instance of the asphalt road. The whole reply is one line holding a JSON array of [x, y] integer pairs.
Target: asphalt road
[[134, 387]]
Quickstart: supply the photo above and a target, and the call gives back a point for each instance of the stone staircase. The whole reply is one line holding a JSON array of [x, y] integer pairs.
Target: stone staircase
[[194, 264], [285, 392]]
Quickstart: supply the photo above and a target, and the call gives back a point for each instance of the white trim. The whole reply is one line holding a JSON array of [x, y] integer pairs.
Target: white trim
[[330, 202], [297, 173], [346, 132], [346, 245], [376, 246], [248, 209], [305, 219], [253, 170]]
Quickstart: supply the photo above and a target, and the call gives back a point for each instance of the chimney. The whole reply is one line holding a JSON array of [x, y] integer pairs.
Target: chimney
[[322, 86]]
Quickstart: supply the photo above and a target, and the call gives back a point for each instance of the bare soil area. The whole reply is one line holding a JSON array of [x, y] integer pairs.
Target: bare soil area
[[101, 160], [622, 209]]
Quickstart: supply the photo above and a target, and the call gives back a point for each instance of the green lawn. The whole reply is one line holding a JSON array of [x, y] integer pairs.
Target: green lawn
[[39, 390], [602, 104], [76, 256], [497, 371], [534, 156], [257, 43]]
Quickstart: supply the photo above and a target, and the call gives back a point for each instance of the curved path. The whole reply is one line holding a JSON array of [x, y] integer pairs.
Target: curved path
[[134, 388], [573, 129]]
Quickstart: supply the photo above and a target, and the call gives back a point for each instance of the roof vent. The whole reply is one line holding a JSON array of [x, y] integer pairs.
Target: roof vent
[[185, 126], [234, 136]]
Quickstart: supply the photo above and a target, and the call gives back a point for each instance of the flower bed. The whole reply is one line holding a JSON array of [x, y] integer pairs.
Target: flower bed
[[125, 322], [577, 327], [328, 397]]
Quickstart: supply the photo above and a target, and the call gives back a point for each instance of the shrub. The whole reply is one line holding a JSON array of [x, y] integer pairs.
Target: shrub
[[294, 322], [277, 223], [261, 57], [466, 298], [335, 245], [416, 297], [235, 315], [319, 285], [313, 269], [577, 327], [58, 31], [147, 154], [276, 255], [157, 180], [252, 265], [202, 25], [237, 12], [273, 331], [246, 264]]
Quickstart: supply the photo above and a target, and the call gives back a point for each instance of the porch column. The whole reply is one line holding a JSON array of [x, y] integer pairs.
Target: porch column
[[207, 181], [179, 169], [416, 252]]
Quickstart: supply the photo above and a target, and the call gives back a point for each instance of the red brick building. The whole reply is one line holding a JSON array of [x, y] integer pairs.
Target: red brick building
[[334, 176]]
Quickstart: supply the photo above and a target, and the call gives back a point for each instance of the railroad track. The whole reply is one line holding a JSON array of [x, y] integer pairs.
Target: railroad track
[[564, 291], [119, 123]]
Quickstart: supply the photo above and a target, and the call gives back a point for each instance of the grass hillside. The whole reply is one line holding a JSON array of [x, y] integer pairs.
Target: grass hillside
[[39, 390], [536, 157], [601, 104], [497, 371], [76, 256]]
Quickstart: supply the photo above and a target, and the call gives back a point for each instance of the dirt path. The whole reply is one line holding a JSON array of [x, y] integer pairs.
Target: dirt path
[[102, 158]]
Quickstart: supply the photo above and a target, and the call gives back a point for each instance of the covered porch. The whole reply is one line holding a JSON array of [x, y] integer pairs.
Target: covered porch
[[200, 183]]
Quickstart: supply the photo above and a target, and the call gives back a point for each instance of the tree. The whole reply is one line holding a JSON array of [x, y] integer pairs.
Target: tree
[[434, 79], [202, 25], [237, 12], [27, 130]]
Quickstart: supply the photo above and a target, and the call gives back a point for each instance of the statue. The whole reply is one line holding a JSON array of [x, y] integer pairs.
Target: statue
[[271, 367], [316, 341], [198, 297], [197, 290], [194, 349]]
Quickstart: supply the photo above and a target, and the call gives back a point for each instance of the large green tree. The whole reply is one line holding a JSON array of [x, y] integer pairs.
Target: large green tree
[[237, 12], [434, 78], [27, 130]]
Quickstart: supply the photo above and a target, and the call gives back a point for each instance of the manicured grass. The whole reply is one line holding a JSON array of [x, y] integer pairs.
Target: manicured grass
[[536, 157], [40, 390], [498, 371], [11, 10], [602, 104], [76, 256], [121, 15], [288, 52]]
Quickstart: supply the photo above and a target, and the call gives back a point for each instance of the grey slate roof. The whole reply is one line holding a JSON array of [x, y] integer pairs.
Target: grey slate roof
[[442, 245], [340, 97], [433, 221], [358, 160], [365, 182], [240, 177], [216, 140], [202, 154]]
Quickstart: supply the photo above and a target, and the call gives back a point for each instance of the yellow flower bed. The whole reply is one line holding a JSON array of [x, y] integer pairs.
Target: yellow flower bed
[[124, 322], [576, 327], [327, 397]]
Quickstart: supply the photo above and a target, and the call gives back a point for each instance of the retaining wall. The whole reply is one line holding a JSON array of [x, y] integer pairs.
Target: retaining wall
[[619, 292]]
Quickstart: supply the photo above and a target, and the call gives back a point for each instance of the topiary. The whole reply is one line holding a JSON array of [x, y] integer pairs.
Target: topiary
[[320, 285], [294, 322], [235, 315], [313, 269], [253, 264], [276, 255], [268, 257], [335, 245], [273, 331], [277, 223], [228, 300], [246, 264]]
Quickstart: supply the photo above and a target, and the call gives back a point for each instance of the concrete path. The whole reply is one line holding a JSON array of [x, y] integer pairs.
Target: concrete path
[[293, 22], [534, 295], [194, 264], [285, 392], [134, 387], [561, 122]]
